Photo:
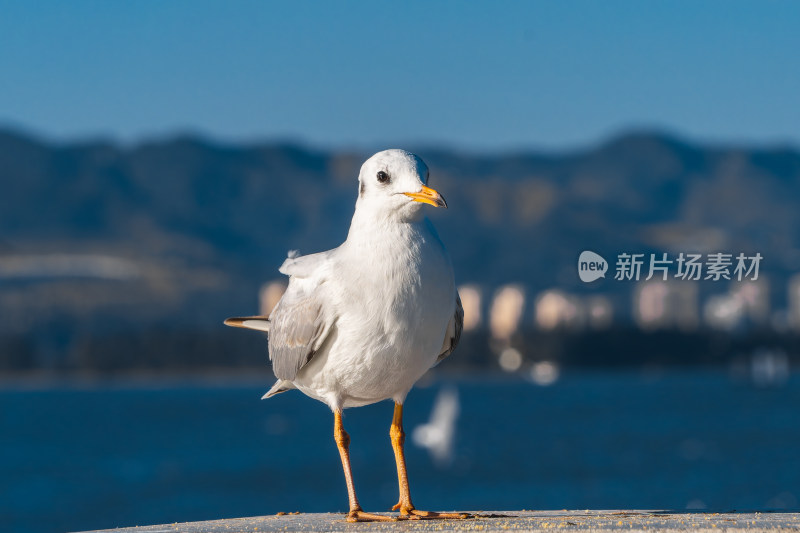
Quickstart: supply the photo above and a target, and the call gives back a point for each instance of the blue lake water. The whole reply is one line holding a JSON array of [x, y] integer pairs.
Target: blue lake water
[[85, 457]]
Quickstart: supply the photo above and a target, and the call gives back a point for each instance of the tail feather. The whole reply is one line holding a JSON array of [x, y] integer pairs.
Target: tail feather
[[280, 386], [259, 323]]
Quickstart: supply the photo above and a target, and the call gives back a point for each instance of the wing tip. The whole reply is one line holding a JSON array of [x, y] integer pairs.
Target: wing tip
[[280, 386]]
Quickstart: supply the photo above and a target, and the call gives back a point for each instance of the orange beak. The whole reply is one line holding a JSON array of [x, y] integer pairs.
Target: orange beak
[[427, 196]]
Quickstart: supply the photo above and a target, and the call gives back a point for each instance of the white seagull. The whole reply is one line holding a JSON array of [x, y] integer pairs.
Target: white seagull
[[363, 322]]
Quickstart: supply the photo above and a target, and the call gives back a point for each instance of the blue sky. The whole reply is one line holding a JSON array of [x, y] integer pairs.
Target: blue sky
[[484, 76]]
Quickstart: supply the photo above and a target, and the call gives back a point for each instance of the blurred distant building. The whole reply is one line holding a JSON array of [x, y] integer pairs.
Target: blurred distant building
[[754, 296], [599, 312], [746, 303], [659, 304], [556, 309], [506, 311], [269, 295], [794, 302], [471, 302]]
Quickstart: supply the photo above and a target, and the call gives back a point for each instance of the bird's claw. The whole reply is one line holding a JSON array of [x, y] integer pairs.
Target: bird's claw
[[360, 516], [409, 513]]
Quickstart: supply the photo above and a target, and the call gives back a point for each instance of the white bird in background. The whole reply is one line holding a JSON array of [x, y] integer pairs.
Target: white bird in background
[[438, 435], [363, 322]]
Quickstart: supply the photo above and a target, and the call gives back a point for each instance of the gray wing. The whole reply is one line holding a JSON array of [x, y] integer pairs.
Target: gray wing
[[453, 331], [298, 328]]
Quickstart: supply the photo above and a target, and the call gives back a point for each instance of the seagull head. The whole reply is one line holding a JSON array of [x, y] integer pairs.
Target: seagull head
[[395, 182]]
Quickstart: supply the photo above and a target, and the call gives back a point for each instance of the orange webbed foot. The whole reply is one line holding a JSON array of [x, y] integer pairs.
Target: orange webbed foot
[[360, 516], [409, 513]]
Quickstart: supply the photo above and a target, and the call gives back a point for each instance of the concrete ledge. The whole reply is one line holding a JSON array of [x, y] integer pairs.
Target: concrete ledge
[[661, 521]]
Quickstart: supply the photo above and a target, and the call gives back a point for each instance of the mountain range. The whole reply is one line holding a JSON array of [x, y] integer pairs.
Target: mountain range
[[98, 237]]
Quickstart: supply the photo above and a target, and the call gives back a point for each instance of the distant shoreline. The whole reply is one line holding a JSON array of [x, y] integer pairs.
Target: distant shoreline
[[32, 381]]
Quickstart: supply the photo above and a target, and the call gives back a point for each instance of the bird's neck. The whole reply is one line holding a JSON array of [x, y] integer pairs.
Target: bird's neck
[[372, 226], [389, 246]]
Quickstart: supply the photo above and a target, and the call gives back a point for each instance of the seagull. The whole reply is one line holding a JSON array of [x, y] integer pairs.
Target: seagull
[[363, 322]]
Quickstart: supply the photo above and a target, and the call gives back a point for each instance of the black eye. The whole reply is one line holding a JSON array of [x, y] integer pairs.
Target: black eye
[[383, 177]]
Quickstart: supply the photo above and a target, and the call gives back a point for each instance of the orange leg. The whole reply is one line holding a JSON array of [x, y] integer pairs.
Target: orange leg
[[407, 510], [356, 514]]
